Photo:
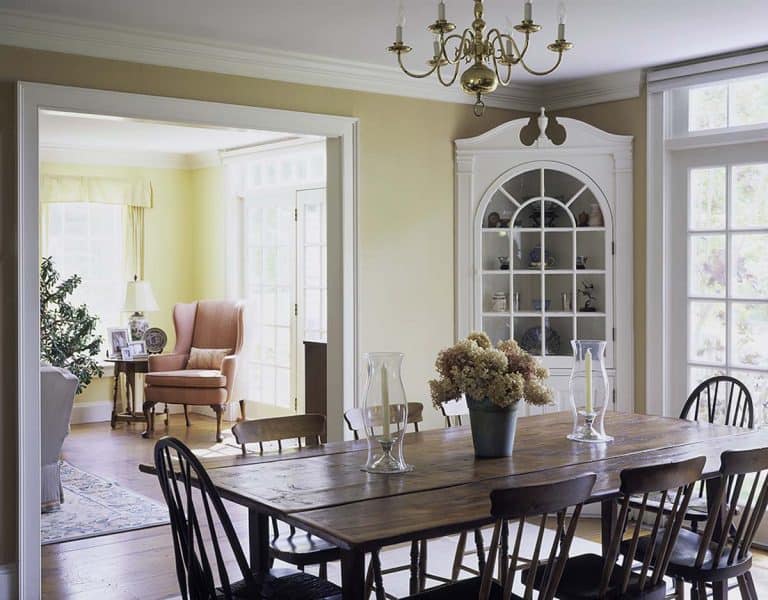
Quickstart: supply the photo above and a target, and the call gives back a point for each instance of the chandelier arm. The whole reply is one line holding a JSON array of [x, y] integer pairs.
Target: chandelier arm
[[415, 75], [460, 48], [502, 80], [450, 82], [548, 71], [500, 37]]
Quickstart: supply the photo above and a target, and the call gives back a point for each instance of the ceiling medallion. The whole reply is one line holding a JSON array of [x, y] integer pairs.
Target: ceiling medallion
[[487, 53]]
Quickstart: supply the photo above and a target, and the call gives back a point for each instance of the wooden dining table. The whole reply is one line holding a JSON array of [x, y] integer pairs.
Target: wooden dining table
[[323, 490]]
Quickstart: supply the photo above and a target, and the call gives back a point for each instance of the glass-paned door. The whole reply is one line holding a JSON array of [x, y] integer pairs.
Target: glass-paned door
[[269, 283], [721, 203], [285, 285]]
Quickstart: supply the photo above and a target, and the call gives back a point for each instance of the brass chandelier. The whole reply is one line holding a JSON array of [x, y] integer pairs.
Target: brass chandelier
[[487, 53]]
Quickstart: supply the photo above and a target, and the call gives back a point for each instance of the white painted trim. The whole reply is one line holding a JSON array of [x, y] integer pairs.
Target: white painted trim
[[622, 85], [656, 318], [733, 65], [31, 97], [91, 412], [74, 155], [57, 34], [8, 582]]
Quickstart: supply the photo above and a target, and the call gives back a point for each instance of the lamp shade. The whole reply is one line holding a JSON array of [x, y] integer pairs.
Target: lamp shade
[[139, 297]]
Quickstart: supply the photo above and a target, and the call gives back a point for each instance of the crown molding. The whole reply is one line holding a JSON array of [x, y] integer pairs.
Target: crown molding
[[98, 40], [621, 85]]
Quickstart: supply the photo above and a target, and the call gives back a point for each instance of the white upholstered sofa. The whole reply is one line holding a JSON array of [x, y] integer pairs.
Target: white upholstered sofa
[[57, 395]]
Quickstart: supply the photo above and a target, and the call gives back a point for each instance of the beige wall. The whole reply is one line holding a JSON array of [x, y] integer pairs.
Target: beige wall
[[405, 209]]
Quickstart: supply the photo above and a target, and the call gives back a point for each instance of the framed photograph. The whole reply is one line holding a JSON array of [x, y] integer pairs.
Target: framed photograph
[[125, 353], [117, 339], [138, 349]]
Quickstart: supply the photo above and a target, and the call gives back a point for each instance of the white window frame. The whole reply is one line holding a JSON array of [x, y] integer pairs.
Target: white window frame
[[660, 144]]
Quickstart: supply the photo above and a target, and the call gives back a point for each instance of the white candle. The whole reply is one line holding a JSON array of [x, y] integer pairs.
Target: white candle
[[528, 7], [588, 381], [385, 400], [400, 22], [441, 11], [561, 22]]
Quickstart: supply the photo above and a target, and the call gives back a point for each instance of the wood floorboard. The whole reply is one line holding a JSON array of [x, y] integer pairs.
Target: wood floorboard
[[140, 564]]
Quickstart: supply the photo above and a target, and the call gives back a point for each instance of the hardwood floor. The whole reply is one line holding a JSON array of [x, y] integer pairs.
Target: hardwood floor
[[140, 564]]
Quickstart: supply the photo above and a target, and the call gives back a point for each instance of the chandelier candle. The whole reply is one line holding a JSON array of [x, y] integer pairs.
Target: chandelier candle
[[488, 53]]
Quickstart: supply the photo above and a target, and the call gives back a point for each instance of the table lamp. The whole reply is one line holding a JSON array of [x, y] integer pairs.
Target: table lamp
[[138, 299]]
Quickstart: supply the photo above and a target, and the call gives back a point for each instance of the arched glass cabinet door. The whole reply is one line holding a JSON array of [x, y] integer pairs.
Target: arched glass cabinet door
[[545, 261]]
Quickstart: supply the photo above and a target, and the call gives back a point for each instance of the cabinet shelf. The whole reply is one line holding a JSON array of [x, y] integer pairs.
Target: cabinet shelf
[[557, 271]]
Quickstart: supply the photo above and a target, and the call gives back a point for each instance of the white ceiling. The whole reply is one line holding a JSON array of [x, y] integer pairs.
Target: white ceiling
[[89, 132], [96, 139], [609, 35]]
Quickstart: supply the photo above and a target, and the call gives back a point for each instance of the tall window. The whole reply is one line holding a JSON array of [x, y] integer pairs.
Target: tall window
[[283, 272], [728, 273], [718, 198], [87, 239]]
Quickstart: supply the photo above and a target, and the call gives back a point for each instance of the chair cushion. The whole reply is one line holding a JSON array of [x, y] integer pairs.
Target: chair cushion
[[207, 358], [464, 588], [292, 586], [188, 378], [581, 581]]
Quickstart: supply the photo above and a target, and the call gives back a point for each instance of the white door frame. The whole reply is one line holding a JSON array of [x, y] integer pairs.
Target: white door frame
[[342, 144]]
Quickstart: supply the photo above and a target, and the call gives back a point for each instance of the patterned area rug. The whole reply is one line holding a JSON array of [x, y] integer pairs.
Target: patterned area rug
[[96, 506]]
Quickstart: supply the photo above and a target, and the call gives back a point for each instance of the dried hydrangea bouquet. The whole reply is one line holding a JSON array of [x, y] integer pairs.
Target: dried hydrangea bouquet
[[494, 381]]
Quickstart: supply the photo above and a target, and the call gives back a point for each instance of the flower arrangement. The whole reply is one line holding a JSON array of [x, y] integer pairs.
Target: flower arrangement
[[504, 374]]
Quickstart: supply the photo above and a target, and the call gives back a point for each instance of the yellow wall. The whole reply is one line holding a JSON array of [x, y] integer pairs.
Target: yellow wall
[[405, 211], [209, 224], [169, 245]]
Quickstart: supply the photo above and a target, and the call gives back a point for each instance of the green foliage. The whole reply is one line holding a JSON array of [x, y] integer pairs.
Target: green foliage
[[67, 332]]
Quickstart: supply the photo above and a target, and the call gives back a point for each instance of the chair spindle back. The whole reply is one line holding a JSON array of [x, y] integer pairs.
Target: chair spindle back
[[453, 411], [310, 427], [721, 399], [197, 517], [743, 491], [673, 483], [354, 418], [528, 502]]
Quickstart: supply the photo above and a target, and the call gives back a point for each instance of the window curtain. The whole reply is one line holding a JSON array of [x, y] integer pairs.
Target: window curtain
[[135, 194]]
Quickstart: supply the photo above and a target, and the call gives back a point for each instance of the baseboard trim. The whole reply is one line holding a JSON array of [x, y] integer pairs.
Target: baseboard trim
[[100, 411], [8, 582], [91, 412]]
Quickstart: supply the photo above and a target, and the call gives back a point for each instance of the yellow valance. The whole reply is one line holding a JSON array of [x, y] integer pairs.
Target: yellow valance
[[106, 190]]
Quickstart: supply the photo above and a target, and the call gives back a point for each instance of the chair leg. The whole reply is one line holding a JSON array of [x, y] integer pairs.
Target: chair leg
[[422, 565], [679, 589], [149, 417], [743, 588], [458, 558], [379, 581], [369, 579], [167, 416], [413, 584], [186, 414], [751, 585], [219, 410], [322, 571], [480, 548], [242, 410]]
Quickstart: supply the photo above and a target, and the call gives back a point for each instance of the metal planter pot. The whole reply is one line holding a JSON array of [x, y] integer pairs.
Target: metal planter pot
[[493, 428]]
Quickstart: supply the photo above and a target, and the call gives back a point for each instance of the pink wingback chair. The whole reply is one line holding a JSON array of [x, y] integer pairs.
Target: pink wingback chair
[[204, 326]]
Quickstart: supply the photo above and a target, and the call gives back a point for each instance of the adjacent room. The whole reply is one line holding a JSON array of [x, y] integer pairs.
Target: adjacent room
[[419, 299]]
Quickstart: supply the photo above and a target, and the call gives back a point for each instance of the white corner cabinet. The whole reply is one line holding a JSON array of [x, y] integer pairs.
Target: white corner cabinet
[[544, 246]]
